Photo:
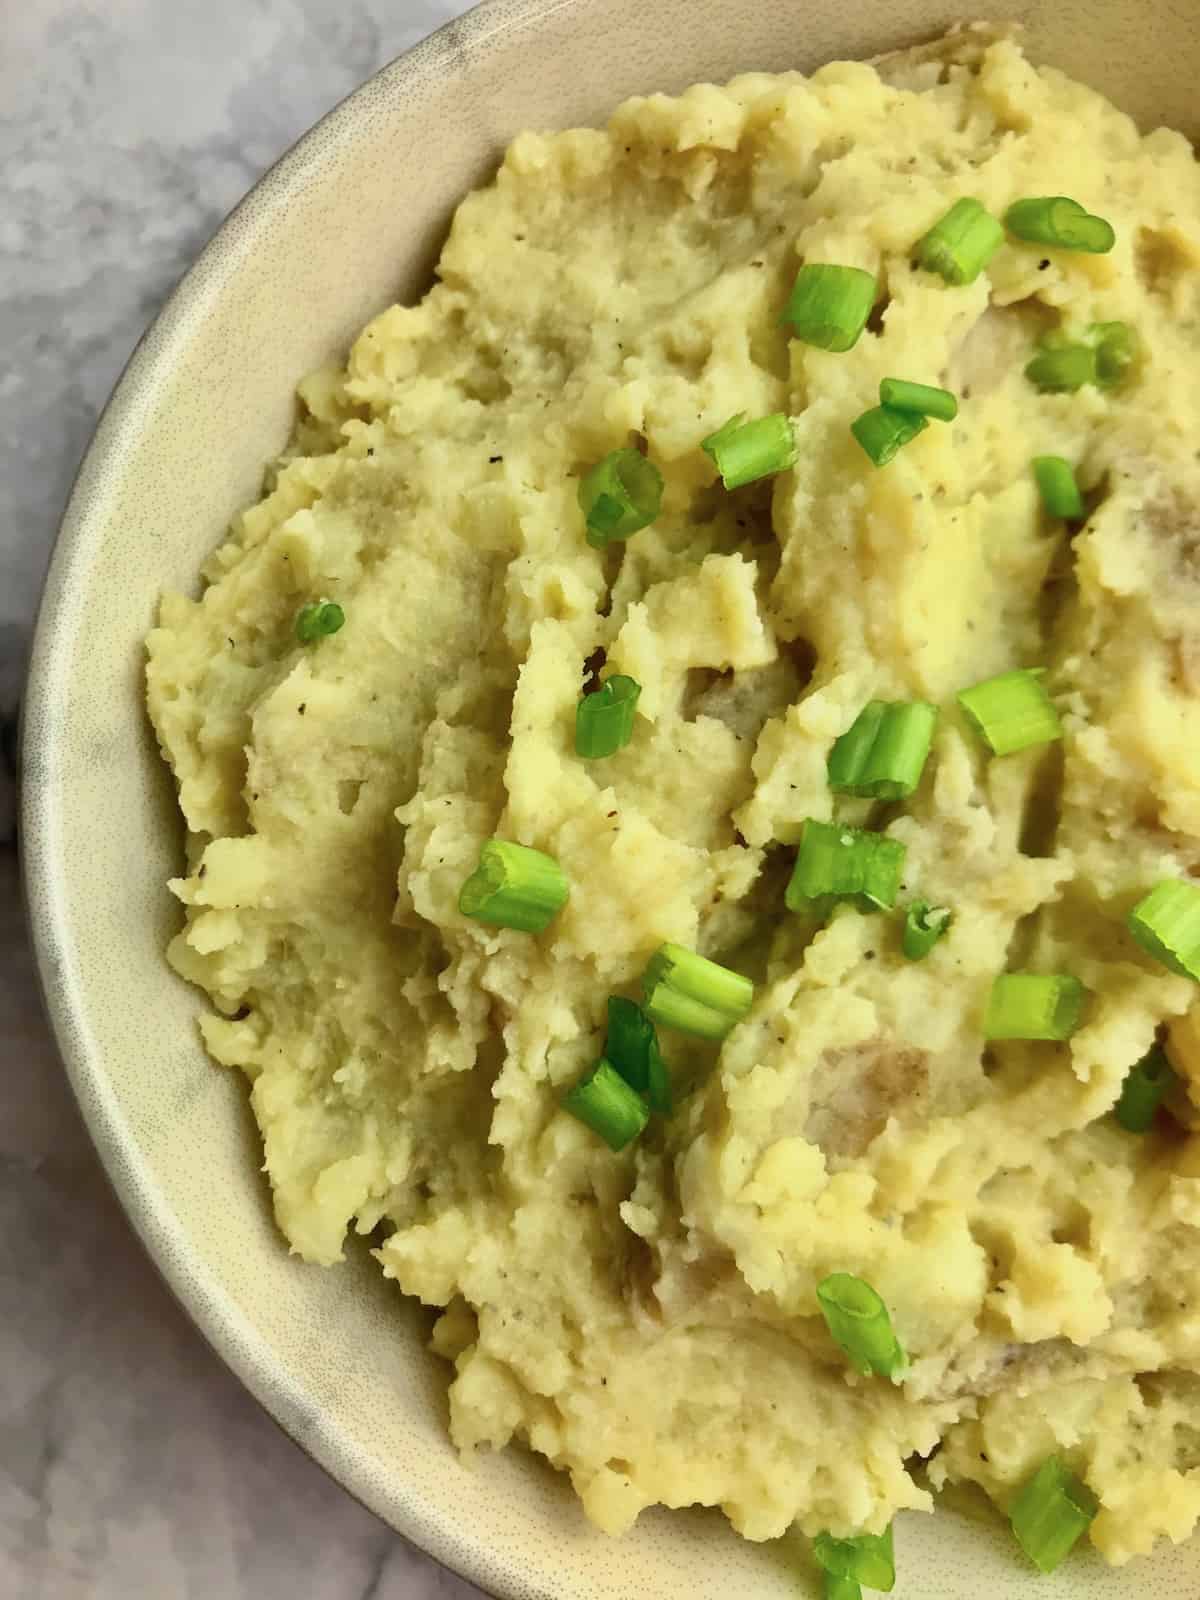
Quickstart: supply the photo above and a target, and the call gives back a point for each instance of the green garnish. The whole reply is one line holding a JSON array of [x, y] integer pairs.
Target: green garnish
[[1061, 223], [859, 1322], [608, 1105], [924, 925], [1143, 1090], [923, 398], [318, 621], [1167, 926], [883, 431], [619, 496], [1050, 1512], [604, 719], [840, 863], [1116, 347], [959, 246], [829, 305], [746, 451], [632, 1047], [685, 991], [1056, 484], [1034, 1005], [837, 1588], [867, 1558], [1012, 711], [514, 887], [1062, 368], [882, 754]]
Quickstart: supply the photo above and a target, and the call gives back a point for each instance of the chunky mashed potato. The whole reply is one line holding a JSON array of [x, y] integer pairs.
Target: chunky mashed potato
[[648, 1320]]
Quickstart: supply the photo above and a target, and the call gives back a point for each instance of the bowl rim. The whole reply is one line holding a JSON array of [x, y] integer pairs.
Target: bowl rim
[[45, 706]]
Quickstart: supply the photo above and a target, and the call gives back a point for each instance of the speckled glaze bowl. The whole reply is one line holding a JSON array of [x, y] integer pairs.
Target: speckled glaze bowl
[[349, 221]]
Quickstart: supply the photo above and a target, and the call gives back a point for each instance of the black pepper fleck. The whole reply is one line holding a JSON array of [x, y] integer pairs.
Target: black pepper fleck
[[1042, 265], [493, 459], [302, 707]]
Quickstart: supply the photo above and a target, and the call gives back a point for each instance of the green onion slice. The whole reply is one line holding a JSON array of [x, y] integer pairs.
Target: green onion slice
[[1050, 1512], [924, 925], [859, 1322], [1056, 484], [829, 305], [838, 1588], [1034, 1005], [1062, 223], [1143, 1090], [867, 1558], [683, 990], [608, 1105], [922, 398], [959, 246], [882, 754], [1012, 711], [619, 496], [604, 719], [885, 430], [514, 887], [632, 1047], [1167, 925], [746, 451], [835, 862], [1116, 349], [1062, 368], [318, 621]]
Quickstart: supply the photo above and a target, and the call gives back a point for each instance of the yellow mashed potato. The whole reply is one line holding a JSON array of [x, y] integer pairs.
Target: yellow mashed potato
[[648, 1320]]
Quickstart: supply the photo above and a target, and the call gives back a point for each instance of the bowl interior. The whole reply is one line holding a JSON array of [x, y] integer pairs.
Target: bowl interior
[[351, 220]]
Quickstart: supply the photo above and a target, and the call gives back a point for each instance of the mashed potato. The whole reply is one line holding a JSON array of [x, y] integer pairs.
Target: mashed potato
[[648, 1321]]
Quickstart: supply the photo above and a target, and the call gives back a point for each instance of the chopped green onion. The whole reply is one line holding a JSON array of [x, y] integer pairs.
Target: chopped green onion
[[867, 1558], [884, 430], [746, 451], [604, 719], [959, 246], [608, 1105], [318, 621], [1034, 1005], [844, 863], [1012, 712], [829, 305], [514, 887], [842, 1588], [1142, 1091], [1062, 368], [1056, 483], [1167, 925], [922, 398], [1050, 1512], [859, 1322], [685, 991], [619, 496], [1116, 347], [924, 925], [1062, 223], [632, 1047], [882, 754]]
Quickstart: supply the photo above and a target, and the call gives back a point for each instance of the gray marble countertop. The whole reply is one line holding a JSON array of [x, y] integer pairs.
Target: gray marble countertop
[[132, 1464]]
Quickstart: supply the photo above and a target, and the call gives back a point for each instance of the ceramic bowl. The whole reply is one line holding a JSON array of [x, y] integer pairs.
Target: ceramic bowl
[[348, 222]]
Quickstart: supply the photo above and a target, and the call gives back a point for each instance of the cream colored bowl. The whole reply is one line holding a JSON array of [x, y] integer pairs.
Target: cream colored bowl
[[349, 221]]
